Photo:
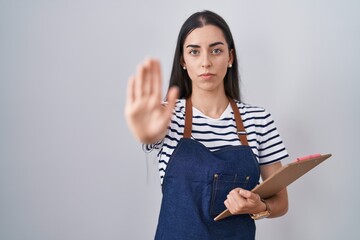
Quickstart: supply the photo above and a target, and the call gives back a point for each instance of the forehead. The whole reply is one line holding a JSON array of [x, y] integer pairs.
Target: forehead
[[205, 35]]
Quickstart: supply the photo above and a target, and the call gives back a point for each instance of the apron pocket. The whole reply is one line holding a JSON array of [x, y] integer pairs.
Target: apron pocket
[[222, 185]]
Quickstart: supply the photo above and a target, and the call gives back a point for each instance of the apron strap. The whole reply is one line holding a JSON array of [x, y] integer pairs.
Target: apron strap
[[188, 118], [239, 124]]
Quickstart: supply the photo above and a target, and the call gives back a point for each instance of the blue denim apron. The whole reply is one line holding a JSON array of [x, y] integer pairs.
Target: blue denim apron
[[196, 185]]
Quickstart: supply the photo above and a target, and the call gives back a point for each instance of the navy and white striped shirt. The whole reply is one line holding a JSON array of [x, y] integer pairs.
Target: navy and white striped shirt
[[215, 134]]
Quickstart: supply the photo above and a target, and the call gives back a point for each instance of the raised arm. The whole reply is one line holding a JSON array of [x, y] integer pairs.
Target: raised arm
[[146, 117]]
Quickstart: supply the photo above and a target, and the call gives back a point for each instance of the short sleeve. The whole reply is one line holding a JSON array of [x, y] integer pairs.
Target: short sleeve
[[271, 147]]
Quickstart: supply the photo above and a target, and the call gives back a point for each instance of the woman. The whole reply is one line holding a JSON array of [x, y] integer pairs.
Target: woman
[[212, 147]]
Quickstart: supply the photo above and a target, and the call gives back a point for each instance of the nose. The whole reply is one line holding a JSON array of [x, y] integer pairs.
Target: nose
[[206, 61]]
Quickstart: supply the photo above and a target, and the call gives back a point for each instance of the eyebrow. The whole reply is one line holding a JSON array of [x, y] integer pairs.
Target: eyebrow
[[210, 45]]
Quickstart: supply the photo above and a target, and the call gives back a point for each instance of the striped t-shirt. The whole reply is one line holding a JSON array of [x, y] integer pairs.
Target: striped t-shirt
[[215, 134]]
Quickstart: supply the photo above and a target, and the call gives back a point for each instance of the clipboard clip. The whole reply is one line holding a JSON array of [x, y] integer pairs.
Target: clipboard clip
[[307, 157]]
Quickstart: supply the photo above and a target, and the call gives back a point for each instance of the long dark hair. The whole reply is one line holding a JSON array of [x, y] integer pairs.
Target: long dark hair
[[180, 78]]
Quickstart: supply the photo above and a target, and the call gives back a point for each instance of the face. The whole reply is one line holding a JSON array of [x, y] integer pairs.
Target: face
[[206, 58]]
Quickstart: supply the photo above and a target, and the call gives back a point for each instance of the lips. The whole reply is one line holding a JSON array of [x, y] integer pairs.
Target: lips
[[207, 75]]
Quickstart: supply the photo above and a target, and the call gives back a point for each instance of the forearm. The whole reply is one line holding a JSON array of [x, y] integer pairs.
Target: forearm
[[278, 204]]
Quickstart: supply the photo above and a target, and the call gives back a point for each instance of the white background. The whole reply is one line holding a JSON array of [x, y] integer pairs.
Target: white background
[[69, 167]]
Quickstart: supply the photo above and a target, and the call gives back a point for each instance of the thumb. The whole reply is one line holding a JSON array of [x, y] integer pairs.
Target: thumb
[[245, 193], [173, 95]]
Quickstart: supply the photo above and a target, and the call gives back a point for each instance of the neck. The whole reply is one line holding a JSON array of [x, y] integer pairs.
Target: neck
[[211, 105]]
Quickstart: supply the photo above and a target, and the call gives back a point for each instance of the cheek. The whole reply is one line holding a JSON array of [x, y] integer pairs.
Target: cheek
[[191, 73], [189, 61], [223, 66]]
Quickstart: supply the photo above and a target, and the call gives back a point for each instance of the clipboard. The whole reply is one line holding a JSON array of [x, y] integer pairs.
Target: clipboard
[[283, 177]]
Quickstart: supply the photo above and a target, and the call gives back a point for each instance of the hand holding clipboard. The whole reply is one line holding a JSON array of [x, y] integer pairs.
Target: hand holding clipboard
[[283, 177]]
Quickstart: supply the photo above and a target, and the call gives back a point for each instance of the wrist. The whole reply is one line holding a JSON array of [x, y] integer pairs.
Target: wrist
[[264, 206], [262, 214], [260, 207]]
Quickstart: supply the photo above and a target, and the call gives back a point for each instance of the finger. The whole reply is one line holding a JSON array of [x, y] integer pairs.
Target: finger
[[234, 202], [235, 193], [138, 82], [236, 197], [249, 195], [172, 97], [157, 80], [227, 204], [130, 94], [244, 193], [147, 79], [171, 102]]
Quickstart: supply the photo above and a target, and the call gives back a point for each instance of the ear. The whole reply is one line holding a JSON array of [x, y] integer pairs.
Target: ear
[[231, 57], [182, 62]]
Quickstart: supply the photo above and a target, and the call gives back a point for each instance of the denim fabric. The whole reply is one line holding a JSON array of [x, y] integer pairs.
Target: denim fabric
[[195, 187]]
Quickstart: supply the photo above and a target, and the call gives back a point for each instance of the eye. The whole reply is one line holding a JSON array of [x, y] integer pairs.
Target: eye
[[194, 52], [216, 51]]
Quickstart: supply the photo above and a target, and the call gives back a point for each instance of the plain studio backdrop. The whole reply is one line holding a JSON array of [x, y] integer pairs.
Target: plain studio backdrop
[[69, 167]]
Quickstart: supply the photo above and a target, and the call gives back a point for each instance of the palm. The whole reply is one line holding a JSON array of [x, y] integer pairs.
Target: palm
[[146, 116]]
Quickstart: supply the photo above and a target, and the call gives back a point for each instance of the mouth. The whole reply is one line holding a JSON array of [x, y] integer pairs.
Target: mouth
[[206, 75]]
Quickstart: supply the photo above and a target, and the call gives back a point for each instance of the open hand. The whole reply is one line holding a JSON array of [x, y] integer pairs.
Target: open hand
[[147, 118]]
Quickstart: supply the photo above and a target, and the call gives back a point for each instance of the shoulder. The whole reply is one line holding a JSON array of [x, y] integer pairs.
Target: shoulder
[[263, 135], [254, 112]]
